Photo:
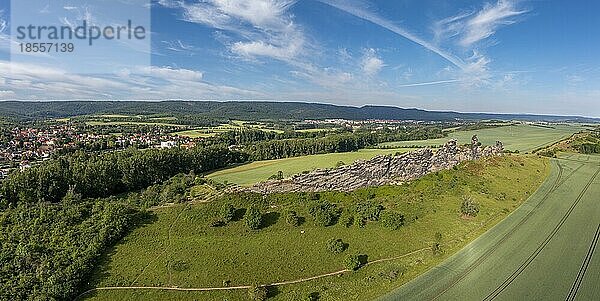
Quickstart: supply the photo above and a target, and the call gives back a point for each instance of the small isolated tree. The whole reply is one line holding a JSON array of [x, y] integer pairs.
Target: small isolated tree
[[336, 246], [257, 293], [469, 207], [339, 164], [436, 248], [253, 218], [227, 212], [352, 262], [392, 220], [292, 218]]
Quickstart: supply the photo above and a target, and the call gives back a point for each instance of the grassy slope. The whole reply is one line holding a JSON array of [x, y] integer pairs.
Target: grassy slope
[[523, 138], [262, 170], [281, 252]]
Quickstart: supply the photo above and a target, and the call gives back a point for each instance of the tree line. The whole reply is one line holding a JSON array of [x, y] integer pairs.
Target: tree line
[[106, 174]]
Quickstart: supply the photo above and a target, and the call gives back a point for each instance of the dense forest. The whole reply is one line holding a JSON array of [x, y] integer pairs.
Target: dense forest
[[92, 175], [197, 112], [58, 217], [48, 250]]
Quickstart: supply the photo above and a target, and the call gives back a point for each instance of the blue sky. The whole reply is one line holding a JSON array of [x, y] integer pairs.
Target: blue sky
[[484, 56]]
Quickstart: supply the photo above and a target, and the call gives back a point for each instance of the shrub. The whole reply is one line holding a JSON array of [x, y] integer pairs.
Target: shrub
[[253, 218], [347, 219], [436, 248], [469, 207], [336, 246], [257, 293], [179, 265], [392, 220], [227, 212], [353, 262], [278, 176], [292, 218], [368, 210], [323, 213]]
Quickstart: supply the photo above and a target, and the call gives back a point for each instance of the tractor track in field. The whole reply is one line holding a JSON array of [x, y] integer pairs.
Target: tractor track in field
[[543, 245], [557, 183], [581, 274]]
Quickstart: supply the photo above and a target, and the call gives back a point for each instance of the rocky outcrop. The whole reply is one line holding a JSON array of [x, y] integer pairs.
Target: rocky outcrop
[[381, 170]]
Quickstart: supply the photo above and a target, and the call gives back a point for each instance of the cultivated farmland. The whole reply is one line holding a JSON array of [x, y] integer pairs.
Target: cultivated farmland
[[546, 250], [523, 138]]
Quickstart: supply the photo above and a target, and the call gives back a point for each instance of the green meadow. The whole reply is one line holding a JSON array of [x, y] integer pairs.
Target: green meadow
[[261, 170], [181, 247], [522, 138]]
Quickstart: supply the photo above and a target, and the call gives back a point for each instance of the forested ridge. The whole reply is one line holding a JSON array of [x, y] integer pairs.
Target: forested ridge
[[199, 111]]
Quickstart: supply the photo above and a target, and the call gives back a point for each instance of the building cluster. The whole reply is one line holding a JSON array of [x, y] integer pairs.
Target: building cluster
[[371, 123], [22, 146]]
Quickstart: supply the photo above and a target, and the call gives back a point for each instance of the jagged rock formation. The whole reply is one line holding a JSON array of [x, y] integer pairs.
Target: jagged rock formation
[[381, 170]]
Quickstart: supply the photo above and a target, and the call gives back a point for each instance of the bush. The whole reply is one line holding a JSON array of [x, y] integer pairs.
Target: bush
[[323, 213], [347, 219], [392, 220], [436, 247], [368, 210], [257, 293], [336, 246], [469, 207], [353, 262], [227, 212], [292, 218], [253, 218]]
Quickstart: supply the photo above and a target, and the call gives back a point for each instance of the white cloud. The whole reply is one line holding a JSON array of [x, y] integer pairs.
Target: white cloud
[[439, 82], [5, 94], [371, 63], [261, 28], [178, 46], [488, 20], [284, 52], [367, 15], [473, 27], [27, 81], [170, 74]]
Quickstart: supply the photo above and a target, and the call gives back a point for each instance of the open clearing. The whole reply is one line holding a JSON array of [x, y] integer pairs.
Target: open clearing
[[259, 171], [546, 250], [180, 249], [523, 138]]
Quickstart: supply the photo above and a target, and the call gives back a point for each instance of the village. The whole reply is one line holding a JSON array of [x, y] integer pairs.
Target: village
[[23, 146]]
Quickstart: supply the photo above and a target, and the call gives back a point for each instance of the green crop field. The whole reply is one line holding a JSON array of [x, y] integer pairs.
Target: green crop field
[[523, 138], [537, 253], [104, 123], [179, 248], [261, 170]]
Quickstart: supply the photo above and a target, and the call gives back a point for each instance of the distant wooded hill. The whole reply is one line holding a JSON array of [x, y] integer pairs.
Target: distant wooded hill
[[250, 111]]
